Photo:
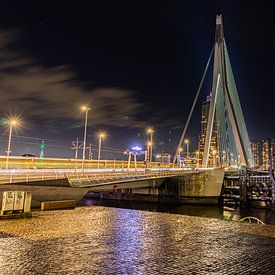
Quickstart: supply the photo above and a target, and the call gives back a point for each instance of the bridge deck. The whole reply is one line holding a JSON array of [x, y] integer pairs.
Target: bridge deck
[[77, 178]]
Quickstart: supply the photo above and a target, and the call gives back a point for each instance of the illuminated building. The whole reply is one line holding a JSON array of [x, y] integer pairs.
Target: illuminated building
[[212, 161], [267, 145], [255, 148]]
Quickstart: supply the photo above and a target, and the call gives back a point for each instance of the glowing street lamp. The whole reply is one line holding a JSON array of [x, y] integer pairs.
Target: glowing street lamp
[[187, 142], [12, 123], [86, 110], [101, 136], [151, 132]]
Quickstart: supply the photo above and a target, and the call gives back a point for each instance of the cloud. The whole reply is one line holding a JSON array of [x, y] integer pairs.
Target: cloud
[[55, 94]]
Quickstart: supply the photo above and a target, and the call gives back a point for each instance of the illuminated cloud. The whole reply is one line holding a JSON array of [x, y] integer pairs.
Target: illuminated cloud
[[55, 94]]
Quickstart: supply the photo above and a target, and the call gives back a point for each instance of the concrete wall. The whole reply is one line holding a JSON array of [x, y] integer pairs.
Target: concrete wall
[[46, 193], [192, 184]]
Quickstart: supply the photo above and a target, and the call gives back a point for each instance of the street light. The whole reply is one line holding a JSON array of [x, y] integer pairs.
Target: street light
[[180, 150], [86, 110], [149, 144], [101, 136], [186, 141], [151, 132], [12, 123]]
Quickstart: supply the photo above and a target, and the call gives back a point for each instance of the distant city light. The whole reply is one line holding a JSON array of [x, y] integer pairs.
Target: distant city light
[[85, 108], [102, 135], [13, 121], [150, 130], [136, 148]]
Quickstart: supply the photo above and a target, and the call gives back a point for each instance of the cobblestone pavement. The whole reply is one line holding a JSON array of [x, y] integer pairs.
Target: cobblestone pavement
[[101, 240]]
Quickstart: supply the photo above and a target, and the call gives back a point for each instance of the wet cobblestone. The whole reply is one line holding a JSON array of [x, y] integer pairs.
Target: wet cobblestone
[[101, 240]]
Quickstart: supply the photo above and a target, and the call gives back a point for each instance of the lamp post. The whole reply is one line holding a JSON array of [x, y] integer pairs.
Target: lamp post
[[100, 137], [151, 132], [149, 144], [42, 146], [187, 148], [12, 123], [86, 110], [180, 150]]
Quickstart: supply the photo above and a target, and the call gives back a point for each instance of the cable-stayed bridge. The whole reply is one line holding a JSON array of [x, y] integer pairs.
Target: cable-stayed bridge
[[225, 125], [232, 146]]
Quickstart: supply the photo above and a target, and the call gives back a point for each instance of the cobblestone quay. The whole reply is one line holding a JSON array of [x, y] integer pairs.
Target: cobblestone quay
[[102, 240]]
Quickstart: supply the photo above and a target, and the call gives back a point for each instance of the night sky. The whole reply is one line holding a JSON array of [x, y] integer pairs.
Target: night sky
[[137, 64]]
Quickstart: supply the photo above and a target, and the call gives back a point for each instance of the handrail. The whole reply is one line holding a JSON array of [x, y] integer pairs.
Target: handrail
[[250, 219], [27, 176]]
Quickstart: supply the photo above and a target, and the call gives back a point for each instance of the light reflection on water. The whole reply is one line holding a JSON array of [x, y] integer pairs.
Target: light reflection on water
[[267, 216], [105, 240]]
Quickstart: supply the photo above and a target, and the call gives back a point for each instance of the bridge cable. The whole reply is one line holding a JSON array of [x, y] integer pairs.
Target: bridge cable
[[193, 106]]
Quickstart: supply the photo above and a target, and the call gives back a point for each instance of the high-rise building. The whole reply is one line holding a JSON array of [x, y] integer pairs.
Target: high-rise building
[[267, 151], [213, 152], [255, 148]]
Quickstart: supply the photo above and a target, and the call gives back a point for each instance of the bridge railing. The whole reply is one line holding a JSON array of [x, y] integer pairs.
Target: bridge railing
[[14, 176], [19, 162], [114, 176]]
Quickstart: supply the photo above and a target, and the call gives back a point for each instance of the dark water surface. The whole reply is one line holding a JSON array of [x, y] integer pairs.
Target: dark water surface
[[266, 216], [105, 240]]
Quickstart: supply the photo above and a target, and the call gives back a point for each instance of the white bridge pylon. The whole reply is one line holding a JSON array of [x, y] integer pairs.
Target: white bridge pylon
[[233, 142], [233, 146]]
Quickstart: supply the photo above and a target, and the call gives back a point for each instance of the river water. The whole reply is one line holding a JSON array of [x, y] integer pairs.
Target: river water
[[265, 215], [108, 240]]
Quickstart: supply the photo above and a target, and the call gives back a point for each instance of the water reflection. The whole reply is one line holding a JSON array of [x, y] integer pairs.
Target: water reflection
[[265, 215]]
